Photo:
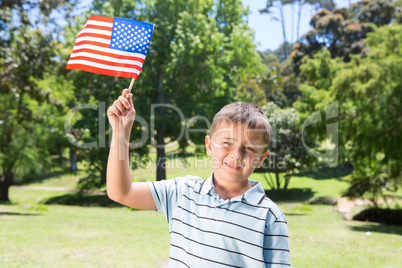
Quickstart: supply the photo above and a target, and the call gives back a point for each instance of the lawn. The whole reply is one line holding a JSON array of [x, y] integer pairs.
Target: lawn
[[70, 236], [36, 234]]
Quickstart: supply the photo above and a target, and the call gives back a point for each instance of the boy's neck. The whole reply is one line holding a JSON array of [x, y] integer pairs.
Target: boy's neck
[[227, 190]]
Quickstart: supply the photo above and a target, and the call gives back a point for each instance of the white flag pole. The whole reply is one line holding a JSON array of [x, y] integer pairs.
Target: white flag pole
[[130, 87]]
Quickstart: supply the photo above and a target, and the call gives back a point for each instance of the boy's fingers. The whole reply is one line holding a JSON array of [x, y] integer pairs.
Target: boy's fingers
[[119, 107], [125, 102], [130, 100], [124, 92], [114, 111]]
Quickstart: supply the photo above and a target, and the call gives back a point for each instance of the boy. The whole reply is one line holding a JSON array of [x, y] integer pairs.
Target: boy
[[223, 221]]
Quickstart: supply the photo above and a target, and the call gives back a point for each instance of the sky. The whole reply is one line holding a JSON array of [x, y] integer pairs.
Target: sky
[[268, 32]]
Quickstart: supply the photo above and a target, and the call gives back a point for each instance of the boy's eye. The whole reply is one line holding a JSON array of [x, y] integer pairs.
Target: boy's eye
[[250, 149], [227, 143]]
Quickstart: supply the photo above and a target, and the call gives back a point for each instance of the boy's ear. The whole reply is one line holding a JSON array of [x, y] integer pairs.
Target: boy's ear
[[262, 158], [208, 145]]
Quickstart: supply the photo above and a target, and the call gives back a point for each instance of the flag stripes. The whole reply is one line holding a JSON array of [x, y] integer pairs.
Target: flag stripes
[[95, 52]]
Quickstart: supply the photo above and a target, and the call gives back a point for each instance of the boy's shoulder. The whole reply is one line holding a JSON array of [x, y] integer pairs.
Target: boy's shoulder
[[189, 181], [276, 213]]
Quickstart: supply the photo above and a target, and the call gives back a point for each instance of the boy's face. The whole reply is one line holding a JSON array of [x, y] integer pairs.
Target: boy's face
[[235, 153]]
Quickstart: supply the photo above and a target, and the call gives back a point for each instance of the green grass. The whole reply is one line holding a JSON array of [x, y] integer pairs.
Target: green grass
[[31, 196], [43, 236], [36, 234], [321, 238], [68, 236], [62, 180]]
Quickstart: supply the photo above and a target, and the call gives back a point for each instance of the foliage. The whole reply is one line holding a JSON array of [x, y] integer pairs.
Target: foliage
[[342, 31], [259, 90], [274, 6], [250, 91], [270, 57], [21, 131], [370, 90], [27, 56], [287, 151], [318, 74]]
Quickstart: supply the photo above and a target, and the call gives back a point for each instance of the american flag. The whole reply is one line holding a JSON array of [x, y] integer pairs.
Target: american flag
[[111, 46]]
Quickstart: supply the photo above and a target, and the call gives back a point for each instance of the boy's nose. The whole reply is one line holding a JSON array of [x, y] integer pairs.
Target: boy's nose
[[238, 154]]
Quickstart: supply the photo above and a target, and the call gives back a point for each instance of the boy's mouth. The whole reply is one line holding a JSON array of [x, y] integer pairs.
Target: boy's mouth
[[232, 166]]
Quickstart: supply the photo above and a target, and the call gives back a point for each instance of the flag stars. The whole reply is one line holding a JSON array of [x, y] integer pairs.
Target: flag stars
[[130, 37]]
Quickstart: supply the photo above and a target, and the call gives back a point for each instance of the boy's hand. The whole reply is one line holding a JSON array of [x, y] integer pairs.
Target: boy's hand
[[122, 113]]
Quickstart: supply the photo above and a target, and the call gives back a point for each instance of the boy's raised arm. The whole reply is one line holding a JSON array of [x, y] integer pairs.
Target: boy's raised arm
[[120, 187]]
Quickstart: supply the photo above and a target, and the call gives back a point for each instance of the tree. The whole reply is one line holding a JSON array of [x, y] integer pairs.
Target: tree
[[250, 91], [287, 152], [279, 5], [370, 90], [342, 31], [27, 55], [272, 5], [200, 52]]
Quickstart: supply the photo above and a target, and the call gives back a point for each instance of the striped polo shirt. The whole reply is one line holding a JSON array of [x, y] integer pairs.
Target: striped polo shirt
[[206, 231]]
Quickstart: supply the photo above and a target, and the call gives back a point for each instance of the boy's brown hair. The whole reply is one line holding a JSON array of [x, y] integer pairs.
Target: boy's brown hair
[[249, 114]]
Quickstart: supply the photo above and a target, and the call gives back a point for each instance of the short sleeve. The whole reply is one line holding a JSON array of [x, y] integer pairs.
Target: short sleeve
[[165, 194], [276, 244]]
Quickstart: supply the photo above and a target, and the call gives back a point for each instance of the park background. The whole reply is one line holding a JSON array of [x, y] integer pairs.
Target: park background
[[204, 54]]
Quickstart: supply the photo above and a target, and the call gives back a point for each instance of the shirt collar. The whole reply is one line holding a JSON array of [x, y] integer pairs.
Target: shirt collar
[[253, 196]]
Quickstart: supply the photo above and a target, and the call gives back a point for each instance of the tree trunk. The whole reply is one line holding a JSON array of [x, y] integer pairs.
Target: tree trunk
[[298, 20], [5, 183], [160, 156], [73, 159], [103, 173], [160, 134], [278, 182], [287, 180], [292, 34], [285, 49]]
